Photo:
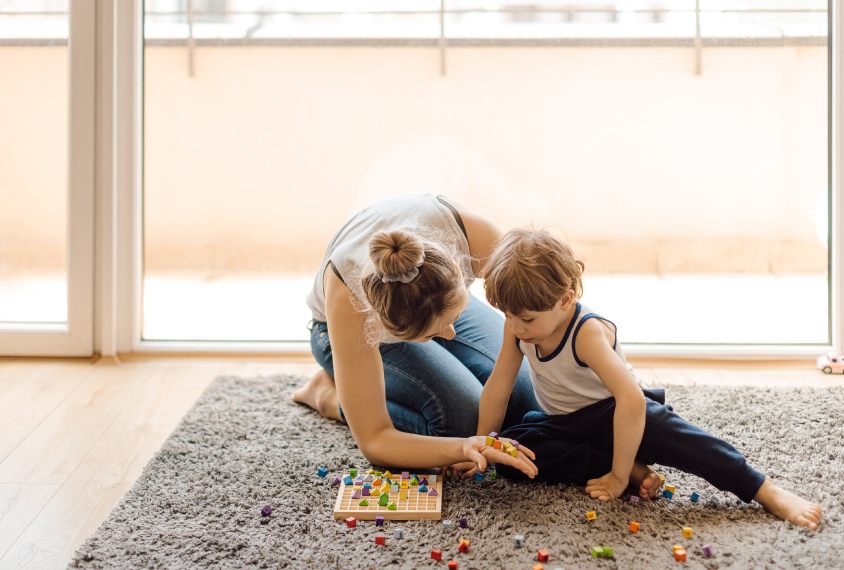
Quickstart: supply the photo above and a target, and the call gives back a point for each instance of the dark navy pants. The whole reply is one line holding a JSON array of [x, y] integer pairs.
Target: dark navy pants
[[576, 447]]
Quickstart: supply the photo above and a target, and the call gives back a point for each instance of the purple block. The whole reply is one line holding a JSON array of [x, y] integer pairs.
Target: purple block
[[432, 493], [634, 499], [356, 494], [514, 443], [707, 550], [493, 434], [405, 474], [379, 521], [365, 491], [459, 474], [423, 481], [266, 511], [463, 522], [358, 482], [337, 480]]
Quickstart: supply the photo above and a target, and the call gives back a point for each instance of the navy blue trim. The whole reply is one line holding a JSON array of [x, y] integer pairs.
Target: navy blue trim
[[562, 342], [580, 324], [518, 343]]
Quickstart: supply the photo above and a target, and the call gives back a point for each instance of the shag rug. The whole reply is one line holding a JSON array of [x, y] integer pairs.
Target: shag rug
[[245, 445]]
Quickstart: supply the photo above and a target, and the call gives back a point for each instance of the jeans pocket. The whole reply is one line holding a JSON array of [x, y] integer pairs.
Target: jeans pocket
[[321, 333]]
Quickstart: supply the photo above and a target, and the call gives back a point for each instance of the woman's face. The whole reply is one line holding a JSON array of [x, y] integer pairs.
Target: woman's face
[[443, 326]]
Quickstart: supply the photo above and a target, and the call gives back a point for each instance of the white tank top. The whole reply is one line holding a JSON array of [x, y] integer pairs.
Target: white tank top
[[427, 215], [561, 381]]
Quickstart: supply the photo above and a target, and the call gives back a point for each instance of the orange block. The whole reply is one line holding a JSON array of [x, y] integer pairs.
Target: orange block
[[680, 555], [543, 555], [634, 526], [497, 444], [452, 565], [437, 554], [538, 567]]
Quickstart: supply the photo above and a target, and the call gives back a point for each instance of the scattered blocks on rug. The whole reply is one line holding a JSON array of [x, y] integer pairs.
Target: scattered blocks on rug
[[695, 497], [351, 522], [463, 546], [463, 522], [353, 471], [348, 481], [680, 555], [634, 499], [379, 521], [266, 511], [676, 547], [460, 474], [707, 550], [493, 476], [380, 540], [662, 477], [597, 552], [322, 472], [337, 480], [715, 501], [452, 565], [667, 494], [538, 567], [591, 515], [671, 488], [634, 526], [687, 531], [437, 554], [519, 540], [398, 533], [479, 477], [542, 555], [447, 525], [448, 472]]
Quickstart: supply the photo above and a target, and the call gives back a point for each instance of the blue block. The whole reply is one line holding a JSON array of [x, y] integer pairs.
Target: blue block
[[695, 497], [479, 476], [668, 494], [367, 485], [347, 480], [322, 472], [423, 489]]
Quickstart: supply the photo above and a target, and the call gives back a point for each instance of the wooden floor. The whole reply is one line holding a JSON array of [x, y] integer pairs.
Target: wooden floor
[[74, 436]]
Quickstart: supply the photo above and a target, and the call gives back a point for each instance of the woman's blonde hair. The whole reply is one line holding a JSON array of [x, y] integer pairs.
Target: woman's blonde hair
[[531, 270], [407, 310]]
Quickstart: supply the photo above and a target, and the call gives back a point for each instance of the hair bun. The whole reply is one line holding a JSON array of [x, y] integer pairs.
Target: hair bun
[[395, 252]]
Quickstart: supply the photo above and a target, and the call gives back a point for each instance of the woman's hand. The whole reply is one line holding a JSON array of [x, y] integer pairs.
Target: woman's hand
[[478, 454], [607, 487]]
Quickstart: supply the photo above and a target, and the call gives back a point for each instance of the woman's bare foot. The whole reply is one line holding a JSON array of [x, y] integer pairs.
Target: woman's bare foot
[[646, 479], [320, 393], [788, 506]]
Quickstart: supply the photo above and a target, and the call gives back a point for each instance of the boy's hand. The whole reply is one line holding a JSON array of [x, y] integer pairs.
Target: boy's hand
[[478, 454], [607, 487]]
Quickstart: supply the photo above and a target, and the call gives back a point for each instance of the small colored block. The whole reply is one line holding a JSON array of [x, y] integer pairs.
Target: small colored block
[[266, 511], [707, 550], [414, 481], [460, 474], [452, 565], [348, 481], [387, 481], [543, 555], [377, 482], [363, 503], [507, 446], [513, 451], [432, 493], [687, 531], [497, 444], [358, 481], [597, 552], [668, 494], [463, 546], [379, 521], [356, 494], [385, 489], [365, 492], [676, 547], [447, 525], [590, 516], [448, 472], [337, 480], [437, 554], [394, 488], [368, 479], [671, 488], [607, 552], [433, 478], [514, 443], [493, 434], [463, 522], [351, 522], [423, 481], [384, 500], [662, 477], [489, 440], [367, 485], [353, 471], [403, 494], [322, 472], [380, 540], [374, 493], [493, 476], [405, 474], [695, 497], [680, 555], [388, 475], [634, 499], [423, 489], [404, 484], [714, 500], [370, 471], [518, 541], [479, 477], [634, 526], [392, 507], [538, 567], [398, 533]]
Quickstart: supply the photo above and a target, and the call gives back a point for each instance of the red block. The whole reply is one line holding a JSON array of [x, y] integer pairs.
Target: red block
[[452, 565], [680, 555], [351, 522], [379, 540], [464, 546], [437, 554], [543, 555]]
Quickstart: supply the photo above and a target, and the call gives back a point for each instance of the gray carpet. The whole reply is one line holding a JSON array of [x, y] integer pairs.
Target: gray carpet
[[245, 445]]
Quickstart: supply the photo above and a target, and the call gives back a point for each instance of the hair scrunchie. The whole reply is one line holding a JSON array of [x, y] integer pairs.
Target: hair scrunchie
[[402, 277]]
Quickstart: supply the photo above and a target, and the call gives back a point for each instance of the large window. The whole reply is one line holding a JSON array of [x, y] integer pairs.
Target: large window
[[681, 146]]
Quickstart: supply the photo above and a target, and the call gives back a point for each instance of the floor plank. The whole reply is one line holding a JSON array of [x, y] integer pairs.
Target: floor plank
[[13, 370], [33, 398], [56, 446], [109, 469], [19, 505]]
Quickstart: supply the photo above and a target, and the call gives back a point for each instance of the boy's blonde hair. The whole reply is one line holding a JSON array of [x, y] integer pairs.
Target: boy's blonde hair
[[531, 270]]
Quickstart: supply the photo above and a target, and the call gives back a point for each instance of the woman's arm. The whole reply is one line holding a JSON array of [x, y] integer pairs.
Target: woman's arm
[[359, 377], [594, 347], [499, 386]]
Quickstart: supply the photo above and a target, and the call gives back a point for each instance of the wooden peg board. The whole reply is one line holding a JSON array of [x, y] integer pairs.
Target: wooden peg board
[[416, 506]]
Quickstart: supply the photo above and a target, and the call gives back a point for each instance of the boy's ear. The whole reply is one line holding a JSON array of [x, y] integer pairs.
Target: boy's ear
[[567, 300]]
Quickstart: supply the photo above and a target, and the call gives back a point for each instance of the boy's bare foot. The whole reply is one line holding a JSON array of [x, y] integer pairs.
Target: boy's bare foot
[[788, 506], [320, 393], [646, 479]]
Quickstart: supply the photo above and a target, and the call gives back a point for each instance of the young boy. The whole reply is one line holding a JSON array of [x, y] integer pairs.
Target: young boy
[[599, 428]]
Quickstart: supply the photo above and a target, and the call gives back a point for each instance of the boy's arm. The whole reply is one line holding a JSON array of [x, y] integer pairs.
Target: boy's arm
[[595, 349], [499, 386]]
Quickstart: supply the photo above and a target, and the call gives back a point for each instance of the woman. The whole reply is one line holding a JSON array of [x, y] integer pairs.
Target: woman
[[404, 347]]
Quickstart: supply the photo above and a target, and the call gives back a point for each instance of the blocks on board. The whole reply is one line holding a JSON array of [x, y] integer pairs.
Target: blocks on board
[[394, 488], [668, 494], [452, 565], [403, 494], [322, 472], [374, 492], [542, 555], [379, 521], [384, 500], [695, 497], [404, 484], [351, 522], [432, 493], [680, 555], [370, 471], [359, 481], [348, 481], [380, 540], [368, 479], [414, 480], [518, 541], [405, 475], [377, 474], [367, 485], [634, 499], [363, 503], [398, 533], [385, 488], [591, 515], [687, 531], [433, 478], [423, 489], [356, 494], [392, 507], [353, 471], [634, 526], [707, 550], [463, 522], [366, 491], [447, 524], [436, 554], [377, 482], [423, 481], [388, 475], [463, 546]]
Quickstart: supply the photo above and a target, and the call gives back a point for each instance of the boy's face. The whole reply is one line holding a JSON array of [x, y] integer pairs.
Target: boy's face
[[533, 327]]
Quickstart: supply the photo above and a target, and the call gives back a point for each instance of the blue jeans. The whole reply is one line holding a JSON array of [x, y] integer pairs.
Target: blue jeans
[[434, 388]]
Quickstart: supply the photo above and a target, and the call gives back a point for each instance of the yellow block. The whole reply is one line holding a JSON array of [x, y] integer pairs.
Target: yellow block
[[404, 484], [385, 488], [403, 494], [662, 477], [388, 475], [676, 547], [374, 492], [513, 451], [687, 531], [591, 516], [670, 488], [490, 440], [370, 471]]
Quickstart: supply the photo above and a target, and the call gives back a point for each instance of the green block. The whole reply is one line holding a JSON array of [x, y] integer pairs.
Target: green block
[[607, 552], [378, 473], [363, 503], [385, 498], [414, 481], [392, 507], [448, 472], [597, 552], [353, 471], [493, 475]]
